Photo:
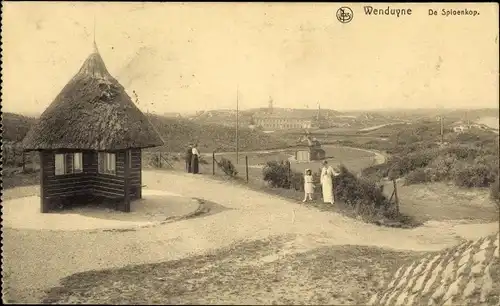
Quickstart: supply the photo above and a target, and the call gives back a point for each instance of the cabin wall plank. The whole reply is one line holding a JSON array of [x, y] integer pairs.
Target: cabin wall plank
[[89, 180]]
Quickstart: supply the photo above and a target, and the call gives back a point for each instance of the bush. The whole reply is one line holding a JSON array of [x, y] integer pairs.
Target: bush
[[463, 152], [376, 172], [491, 161], [358, 191], [477, 175], [441, 168], [495, 191], [227, 166], [297, 181], [418, 176], [154, 160], [403, 165], [276, 174]]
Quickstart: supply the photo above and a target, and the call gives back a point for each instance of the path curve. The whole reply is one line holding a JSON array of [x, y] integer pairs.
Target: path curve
[[155, 207], [36, 260]]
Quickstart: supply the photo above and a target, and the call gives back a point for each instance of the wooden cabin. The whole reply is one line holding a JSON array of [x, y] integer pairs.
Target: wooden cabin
[[312, 151], [90, 140], [307, 154]]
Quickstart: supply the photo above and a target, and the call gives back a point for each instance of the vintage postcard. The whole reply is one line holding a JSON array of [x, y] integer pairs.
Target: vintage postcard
[[250, 153]]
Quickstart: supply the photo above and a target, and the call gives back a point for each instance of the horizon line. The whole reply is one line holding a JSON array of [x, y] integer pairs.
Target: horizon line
[[296, 108]]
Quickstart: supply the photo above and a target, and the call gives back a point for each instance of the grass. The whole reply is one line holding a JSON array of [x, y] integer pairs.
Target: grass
[[255, 272], [14, 177], [177, 133], [15, 126], [443, 201]]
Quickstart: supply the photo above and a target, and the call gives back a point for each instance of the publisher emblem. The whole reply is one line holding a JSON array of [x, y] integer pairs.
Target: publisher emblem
[[344, 14]]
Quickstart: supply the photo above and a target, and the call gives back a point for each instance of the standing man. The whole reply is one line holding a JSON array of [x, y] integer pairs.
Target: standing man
[[188, 157], [196, 159]]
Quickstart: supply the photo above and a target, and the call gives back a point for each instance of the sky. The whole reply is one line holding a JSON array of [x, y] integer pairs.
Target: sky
[[197, 56]]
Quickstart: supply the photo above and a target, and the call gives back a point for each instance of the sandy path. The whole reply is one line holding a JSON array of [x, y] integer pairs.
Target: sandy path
[[38, 259]]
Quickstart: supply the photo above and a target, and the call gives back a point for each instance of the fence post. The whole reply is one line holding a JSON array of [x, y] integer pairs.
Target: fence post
[[213, 163], [246, 166], [289, 173], [159, 160], [24, 162], [396, 199]]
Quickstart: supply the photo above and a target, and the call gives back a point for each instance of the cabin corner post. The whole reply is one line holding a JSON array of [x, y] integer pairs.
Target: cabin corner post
[[126, 185], [44, 202], [139, 189]]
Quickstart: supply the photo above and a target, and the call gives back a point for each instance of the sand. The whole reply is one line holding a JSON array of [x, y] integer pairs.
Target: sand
[[154, 207], [36, 259]]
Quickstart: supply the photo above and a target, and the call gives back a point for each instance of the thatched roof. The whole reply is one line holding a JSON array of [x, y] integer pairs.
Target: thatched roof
[[92, 112]]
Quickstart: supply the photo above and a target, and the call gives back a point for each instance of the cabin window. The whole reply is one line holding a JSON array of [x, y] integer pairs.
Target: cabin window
[[77, 162], [107, 163], [68, 163], [60, 164]]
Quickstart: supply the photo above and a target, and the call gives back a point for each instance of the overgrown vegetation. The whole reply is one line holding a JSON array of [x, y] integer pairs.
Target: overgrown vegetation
[[468, 159], [495, 191], [15, 126], [227, 167], [363, 196], [177, 133]]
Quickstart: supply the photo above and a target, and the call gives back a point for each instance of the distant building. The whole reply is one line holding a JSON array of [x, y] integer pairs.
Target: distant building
[[460, 128], [282, 118], [279, 122]]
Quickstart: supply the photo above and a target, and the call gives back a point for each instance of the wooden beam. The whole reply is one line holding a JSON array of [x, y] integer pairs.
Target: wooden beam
[[213, 163], [396, 199], [126, 185], [43, 201], [246, 166], [139, 195]]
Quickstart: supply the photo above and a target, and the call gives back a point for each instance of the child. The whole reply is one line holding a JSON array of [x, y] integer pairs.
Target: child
[[308, 185]]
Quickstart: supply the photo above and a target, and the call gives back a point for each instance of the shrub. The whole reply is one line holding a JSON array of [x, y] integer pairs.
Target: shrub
[[276, 174], [376, 172], [467, 137], [154, 160], [477, 175], [297, 181], [227, 166], [491, 161], [440, 168], [495, 191], [358, 191], [463, 152], [418, 176], [400, 166]]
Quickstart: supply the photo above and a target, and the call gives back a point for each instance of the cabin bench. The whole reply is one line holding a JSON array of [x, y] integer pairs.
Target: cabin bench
[[79, 198], [62, 200]]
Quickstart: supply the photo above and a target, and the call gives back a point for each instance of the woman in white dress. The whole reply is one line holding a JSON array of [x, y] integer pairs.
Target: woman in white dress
[[327, 174], [308, 185]]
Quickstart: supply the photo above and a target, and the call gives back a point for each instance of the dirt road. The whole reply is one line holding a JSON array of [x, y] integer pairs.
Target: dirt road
[[35, 260]]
